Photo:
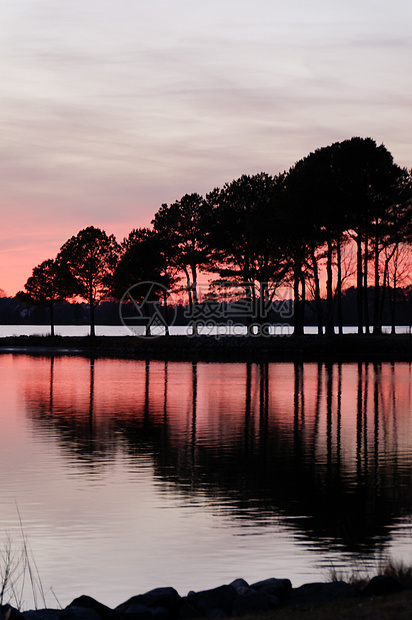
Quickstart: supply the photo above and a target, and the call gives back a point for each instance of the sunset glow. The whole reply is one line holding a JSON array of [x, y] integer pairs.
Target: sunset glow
[[108, 112]]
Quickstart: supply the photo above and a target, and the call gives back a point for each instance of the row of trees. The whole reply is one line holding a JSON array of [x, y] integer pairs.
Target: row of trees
[[257, 232]]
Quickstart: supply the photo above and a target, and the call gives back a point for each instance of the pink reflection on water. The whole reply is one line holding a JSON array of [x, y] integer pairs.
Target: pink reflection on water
[[178, 472]]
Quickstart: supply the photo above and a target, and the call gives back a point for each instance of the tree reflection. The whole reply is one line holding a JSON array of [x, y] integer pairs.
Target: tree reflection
[[324, 446], [71, 420]]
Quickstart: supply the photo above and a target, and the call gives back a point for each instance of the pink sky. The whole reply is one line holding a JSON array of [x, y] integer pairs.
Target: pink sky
[[106, 114]]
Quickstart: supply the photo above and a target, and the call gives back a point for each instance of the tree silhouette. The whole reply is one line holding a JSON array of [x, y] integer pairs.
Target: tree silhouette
[[388, 235], [182, 228], [302, 241], [370, 181], [144, 260], [246, 237], [91, 257], [258, 230], [348, 188], [49, 284]]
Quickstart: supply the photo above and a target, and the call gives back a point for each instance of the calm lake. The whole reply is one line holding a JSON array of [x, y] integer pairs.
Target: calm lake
[[130, 475]]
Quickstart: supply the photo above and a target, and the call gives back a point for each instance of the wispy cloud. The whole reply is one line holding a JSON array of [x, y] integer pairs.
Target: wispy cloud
[[110, 109]]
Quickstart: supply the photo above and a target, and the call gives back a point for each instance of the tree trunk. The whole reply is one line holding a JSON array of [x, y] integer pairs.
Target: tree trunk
[[394, 300], [393, 328], [318, 302], [359, 284], [365, 284], [166, 313], [303, 301], [383, 295], [51, 306], [92, 324], [298, 325], [149, 319], [194, 283], [339, 285], [189, 291], [376, 298], [329, 291], [263, 307], [195, 299], [249, 297]]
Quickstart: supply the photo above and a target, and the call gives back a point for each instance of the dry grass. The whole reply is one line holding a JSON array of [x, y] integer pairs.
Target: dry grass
[[356, 577], [385, 565], [399, 569], [19, 573]]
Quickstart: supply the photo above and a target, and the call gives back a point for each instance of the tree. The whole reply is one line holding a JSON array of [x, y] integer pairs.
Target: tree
[[246, 237], [398, 274], [325, 190], [182, 229], [91, 257], [49, 284], [302, 240], [144, 260], [388, 236], [348, 188], [370, 183]]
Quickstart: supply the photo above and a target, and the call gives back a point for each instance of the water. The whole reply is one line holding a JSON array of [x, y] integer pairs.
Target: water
[[129, 475]]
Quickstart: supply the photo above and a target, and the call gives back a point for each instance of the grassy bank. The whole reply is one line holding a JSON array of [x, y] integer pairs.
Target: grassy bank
[[346, 348]]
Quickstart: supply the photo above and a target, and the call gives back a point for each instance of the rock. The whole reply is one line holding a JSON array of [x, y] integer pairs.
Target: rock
[[234, 600], [188, 611], [136, 611], [208, 601], [87, 602], [382, 584], [277, 587], [79, 613], [160, 613], [407, 584], [273, 601], [241, 586], [7, 612], [43, 614], [319, 593], [251, 603], [165, 598]]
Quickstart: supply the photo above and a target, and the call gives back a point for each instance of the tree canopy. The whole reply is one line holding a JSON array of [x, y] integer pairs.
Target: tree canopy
[[91, 257], [182, 228], [49, 283], [298, 228]]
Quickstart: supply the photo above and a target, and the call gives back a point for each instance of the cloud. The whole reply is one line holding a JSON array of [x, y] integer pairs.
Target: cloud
[[107, 112]]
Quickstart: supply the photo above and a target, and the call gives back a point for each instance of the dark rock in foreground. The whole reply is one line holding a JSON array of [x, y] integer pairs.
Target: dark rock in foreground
[[382, 584], [166, 599], [321, 593], [227, 601]]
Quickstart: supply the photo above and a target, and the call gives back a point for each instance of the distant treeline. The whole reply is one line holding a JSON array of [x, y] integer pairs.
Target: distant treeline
[[339, 216], [13, 311]]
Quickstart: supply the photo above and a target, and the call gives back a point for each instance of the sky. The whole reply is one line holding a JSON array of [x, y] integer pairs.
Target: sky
[[110, 108]]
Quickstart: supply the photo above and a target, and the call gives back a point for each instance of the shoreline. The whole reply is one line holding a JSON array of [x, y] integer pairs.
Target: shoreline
[[270, 598], [308, 348]]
